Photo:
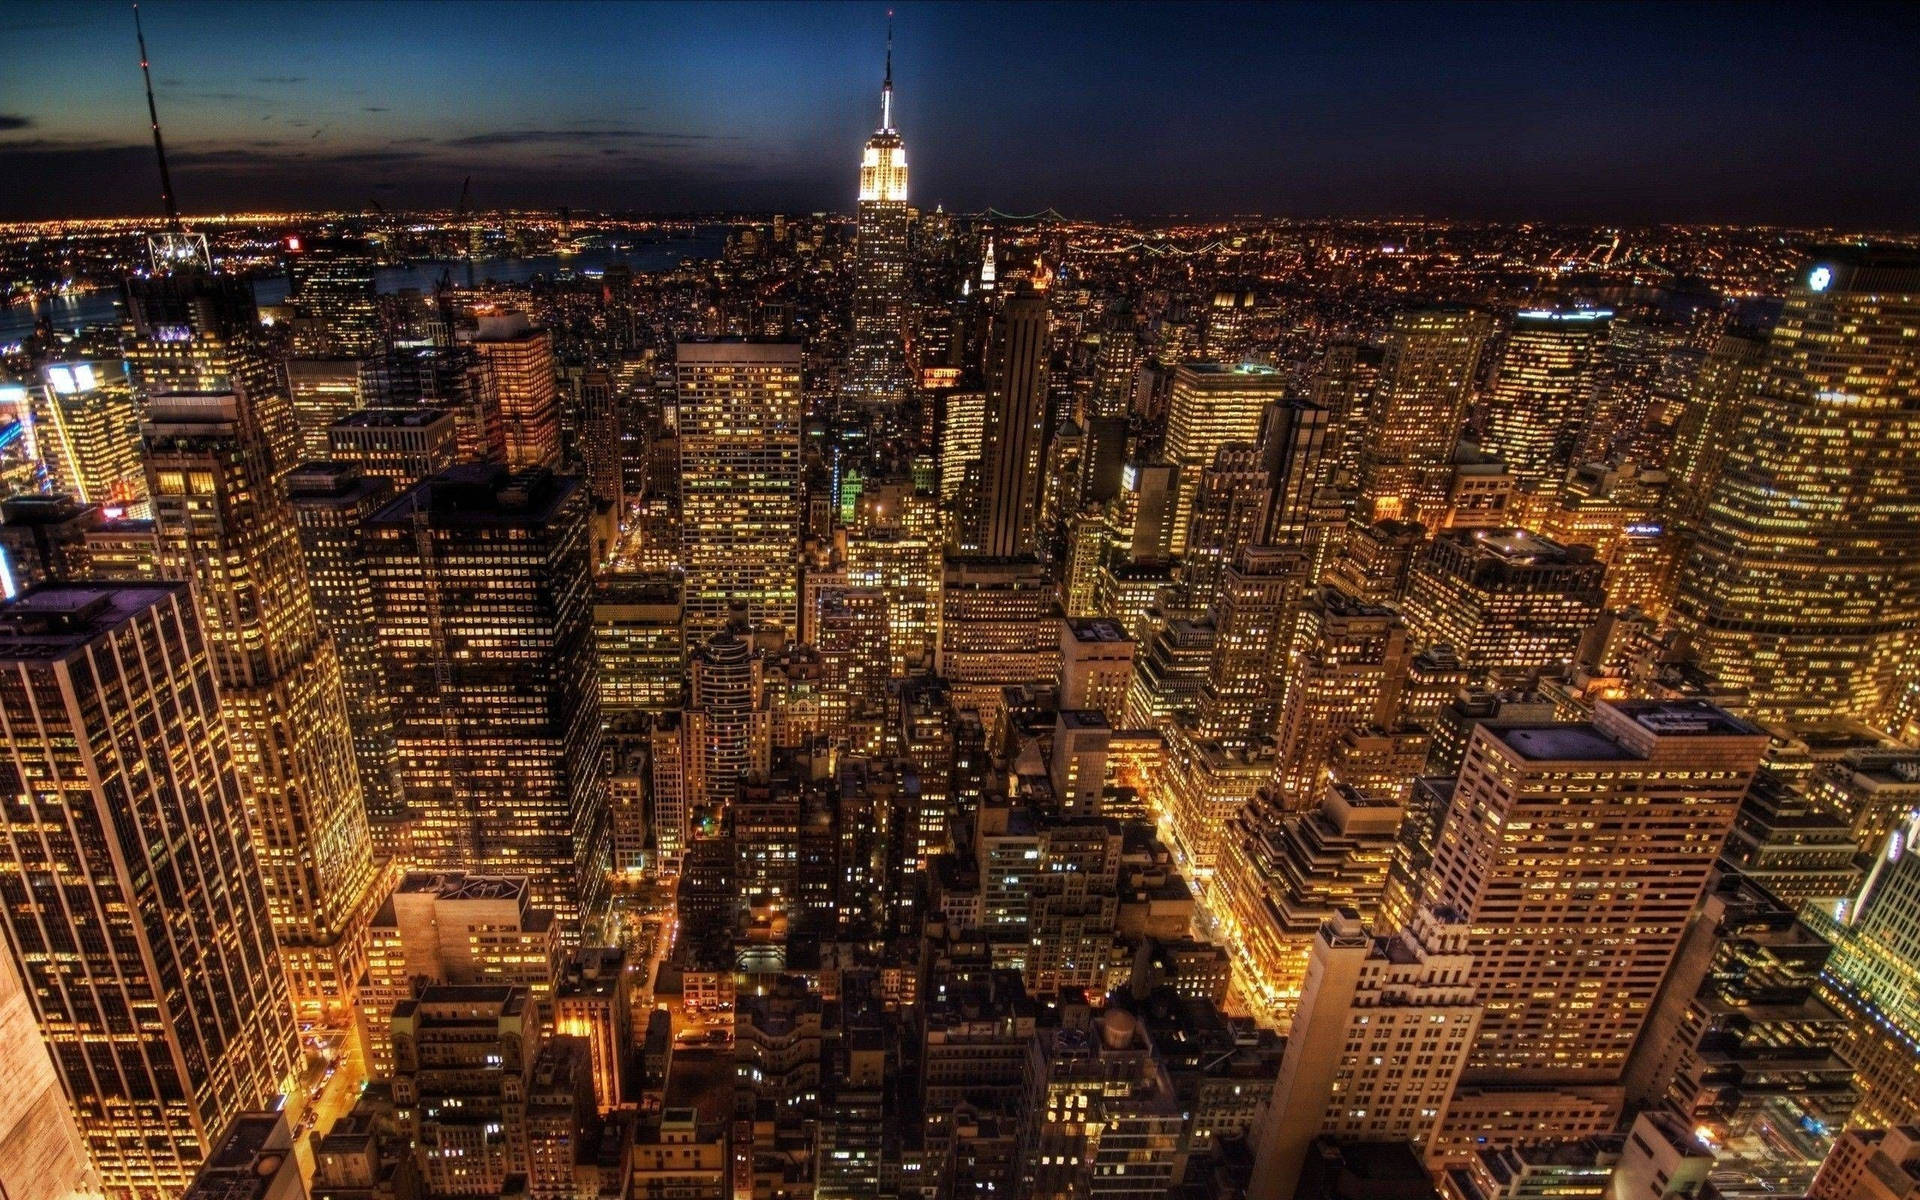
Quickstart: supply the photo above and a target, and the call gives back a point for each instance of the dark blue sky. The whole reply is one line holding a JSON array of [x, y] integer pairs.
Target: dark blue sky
[[1636, 112]]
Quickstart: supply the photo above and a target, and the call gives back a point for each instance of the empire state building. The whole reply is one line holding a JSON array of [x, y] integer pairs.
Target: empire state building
[[877, 367]]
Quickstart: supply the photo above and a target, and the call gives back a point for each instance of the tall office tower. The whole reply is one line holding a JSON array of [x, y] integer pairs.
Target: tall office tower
[[451, 927], [1227, 321], [1230, 509], [1507, 601], [1727, 379], [998, 627], [1576, 854], [1115, 366], [160, 996], [1293, 449], [404, 445], [1256, 614], [173, 364], [482, 595], [850, 1158], [223, 527], [1210, 406], [1343, 385], [740, 408], [1284, 871], [336, 310], [1371, 1008], [1417, 410], [329, 501], [593, 434], [1014, 430], [638, 637], [1739, 1045], [1543, 392], [517, 360], [1348, 670], [88, 434], [1874, 979], [726, 734], [463, 1063], [877, 366], [1803, 585], [963, 417], [1101, 1117], [321, 391]]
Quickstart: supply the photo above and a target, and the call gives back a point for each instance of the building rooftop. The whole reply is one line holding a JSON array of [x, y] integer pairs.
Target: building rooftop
[[479, 495], [53, 620], [1562, 743], [394, 418], [1097, 629]]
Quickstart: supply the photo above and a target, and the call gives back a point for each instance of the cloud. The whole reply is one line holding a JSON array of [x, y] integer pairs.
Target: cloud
[[279, 78], [375, 108], [528, 137], [13, 121]]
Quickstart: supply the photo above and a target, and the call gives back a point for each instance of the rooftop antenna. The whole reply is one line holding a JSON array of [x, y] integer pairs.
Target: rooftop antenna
[[174, 246], [886, 89]]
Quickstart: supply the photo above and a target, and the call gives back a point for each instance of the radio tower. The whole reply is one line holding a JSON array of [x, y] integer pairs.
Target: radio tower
[[173, 248]]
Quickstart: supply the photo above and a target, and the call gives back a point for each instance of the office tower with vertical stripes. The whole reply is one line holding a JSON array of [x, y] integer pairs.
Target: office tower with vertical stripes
[[133, 906], [224, 526]]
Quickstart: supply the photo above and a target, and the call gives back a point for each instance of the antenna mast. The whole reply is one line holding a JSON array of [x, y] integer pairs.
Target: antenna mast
[[153, 116], [173, 246]]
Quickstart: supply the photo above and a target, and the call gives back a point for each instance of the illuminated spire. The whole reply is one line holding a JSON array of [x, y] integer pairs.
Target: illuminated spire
[[886, 89]]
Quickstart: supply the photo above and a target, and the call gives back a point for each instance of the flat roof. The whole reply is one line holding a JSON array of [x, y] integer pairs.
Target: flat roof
[[53, 620], [1562, 743]]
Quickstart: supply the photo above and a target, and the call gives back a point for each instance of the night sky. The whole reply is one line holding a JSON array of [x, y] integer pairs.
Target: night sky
[[1581, 112]]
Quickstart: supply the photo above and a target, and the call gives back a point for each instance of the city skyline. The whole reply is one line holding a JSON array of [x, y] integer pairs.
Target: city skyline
[[1565, 113]]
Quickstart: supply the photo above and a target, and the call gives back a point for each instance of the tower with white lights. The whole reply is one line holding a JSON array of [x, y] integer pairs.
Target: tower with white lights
[[877, 365]]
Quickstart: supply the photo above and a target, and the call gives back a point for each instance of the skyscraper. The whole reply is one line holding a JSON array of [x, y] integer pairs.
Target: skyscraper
[[224, 527], [88, 433], [1416, 412], [135, 911], [1506, 600], [1014, 429], [518, 362], [877, 370], [1803, 584], [740, 405], [482, 597], [329, 500], [1373, 1006], [1543, 392], [1576, 853], [1212, 405]]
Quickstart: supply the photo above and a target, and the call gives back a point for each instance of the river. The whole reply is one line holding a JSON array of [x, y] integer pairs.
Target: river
[[107, 307]]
